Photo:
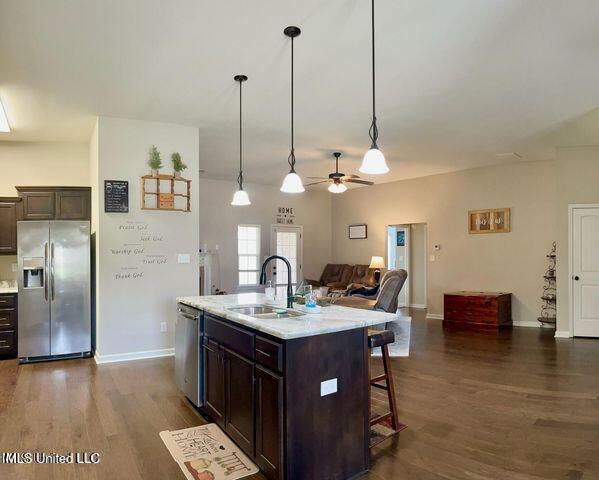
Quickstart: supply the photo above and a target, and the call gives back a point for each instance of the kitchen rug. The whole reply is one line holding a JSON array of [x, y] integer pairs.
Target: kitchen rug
[[206, 453]]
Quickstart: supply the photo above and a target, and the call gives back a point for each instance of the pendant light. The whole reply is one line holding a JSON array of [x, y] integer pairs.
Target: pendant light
[[374, 161], [240, 197], [292, 182]]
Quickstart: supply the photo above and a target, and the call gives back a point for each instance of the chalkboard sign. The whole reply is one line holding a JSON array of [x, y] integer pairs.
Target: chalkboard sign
[[116, 196]]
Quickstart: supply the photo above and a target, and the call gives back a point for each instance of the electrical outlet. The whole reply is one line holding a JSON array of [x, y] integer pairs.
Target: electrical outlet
[[432, 258], [163, 327], [328, 386]]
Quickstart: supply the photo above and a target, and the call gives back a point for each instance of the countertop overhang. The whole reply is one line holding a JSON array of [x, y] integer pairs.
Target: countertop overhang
[[332, 318]]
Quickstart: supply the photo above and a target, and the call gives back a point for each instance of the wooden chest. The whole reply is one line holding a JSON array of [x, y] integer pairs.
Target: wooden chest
[[478, 310]]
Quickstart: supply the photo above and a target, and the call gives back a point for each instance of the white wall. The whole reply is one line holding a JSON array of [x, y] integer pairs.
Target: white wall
[[512, 262], [129, 311], [219, 220]]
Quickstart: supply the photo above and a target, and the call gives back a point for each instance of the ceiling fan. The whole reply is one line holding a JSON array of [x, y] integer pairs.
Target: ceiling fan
[[337, 179]]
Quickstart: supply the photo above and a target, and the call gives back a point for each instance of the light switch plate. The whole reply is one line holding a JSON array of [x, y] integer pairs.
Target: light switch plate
[[328, 386], [183, 258]]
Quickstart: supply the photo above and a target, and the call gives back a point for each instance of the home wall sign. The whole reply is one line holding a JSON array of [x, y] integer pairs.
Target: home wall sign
[[357, 232], [116, 196], [493, 220], [285, 215]]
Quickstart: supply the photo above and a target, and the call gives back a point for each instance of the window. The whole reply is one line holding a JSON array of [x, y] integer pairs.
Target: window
[[248, 252]]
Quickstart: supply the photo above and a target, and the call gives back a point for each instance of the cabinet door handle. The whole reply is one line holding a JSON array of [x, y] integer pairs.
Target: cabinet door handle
[[263, 352]]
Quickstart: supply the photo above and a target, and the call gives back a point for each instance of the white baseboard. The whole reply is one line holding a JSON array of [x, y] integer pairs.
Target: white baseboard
[[126, 357], [434, 316], [420, 306], [517, 323], [562, 334]]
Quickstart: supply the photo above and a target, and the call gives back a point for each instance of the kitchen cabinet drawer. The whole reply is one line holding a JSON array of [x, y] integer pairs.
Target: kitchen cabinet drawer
[[236, 339], [269, 354], [8, 344], [8, 301], [8, 319]]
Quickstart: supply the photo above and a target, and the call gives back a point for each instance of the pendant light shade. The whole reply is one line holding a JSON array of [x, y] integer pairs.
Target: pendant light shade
[[292, 183], [337, 188], [240, 198], [374, 162]]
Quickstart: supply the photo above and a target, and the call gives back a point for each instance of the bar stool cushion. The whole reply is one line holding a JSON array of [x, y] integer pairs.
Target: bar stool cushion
[[378, 338]]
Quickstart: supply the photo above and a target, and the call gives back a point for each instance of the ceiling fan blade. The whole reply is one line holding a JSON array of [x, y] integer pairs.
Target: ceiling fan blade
[[361, 182], [347, 177], [318, 178], [316, 183]]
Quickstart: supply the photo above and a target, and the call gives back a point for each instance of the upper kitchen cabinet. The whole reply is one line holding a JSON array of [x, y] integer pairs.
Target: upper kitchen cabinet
[[55, 203], [8, 225]]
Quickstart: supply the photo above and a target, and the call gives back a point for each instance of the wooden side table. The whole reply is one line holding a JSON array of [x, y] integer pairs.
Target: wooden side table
[[478, 310]]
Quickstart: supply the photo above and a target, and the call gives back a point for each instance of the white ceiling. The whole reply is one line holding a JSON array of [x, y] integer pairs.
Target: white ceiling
[[458, 81]]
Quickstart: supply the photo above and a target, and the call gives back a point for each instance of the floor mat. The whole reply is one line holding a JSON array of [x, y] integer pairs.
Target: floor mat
[[206, 453]]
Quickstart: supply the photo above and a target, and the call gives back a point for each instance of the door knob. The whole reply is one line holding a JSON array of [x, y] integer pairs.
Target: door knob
[[577, 278]]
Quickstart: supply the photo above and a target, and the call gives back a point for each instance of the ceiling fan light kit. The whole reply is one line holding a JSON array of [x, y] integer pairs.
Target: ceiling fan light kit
[[240, 197], [292, 182], [337, 187], [374, 162]]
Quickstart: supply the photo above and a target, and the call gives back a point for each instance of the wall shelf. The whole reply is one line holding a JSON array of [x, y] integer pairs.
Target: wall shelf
[[159, 200]]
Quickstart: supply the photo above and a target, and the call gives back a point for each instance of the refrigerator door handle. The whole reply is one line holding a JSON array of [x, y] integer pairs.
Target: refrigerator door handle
[[52, 268], [46, 271]]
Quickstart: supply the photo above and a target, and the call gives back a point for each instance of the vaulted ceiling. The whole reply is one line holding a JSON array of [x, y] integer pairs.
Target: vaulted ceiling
[[458, 81]]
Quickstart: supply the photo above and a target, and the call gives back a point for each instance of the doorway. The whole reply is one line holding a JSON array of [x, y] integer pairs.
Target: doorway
[[287, 242], [406, 249], [584, 278]]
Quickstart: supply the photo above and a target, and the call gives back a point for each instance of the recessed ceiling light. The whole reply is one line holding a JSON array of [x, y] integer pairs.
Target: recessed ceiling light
[[509, 154], [4, 126]]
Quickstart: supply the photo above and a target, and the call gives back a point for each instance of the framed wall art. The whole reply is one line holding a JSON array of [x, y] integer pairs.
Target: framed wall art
[[357, 232], [492, 220]]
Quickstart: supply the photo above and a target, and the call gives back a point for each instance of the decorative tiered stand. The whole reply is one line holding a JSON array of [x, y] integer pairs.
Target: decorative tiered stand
[[549, 297], [164, 200]]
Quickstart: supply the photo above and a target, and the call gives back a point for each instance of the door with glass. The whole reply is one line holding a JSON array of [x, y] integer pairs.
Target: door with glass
[[286, 242]]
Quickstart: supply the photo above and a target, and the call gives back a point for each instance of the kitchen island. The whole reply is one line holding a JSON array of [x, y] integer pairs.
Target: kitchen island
[[290, 390]]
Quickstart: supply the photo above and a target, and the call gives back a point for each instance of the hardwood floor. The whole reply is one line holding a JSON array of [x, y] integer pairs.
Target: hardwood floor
[[517, 405]]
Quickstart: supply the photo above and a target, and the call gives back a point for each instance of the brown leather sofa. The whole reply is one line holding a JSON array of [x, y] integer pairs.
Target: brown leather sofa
[[339, 276]]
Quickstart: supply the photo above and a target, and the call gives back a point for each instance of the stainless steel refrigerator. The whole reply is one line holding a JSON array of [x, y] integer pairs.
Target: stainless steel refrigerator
[[54, 289]]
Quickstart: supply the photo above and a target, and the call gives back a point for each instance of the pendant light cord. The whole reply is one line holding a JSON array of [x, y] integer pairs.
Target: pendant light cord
[[373, 132], [240, 176], [291, 158]]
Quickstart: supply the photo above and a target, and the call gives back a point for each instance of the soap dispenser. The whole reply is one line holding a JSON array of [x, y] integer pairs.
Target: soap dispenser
[[270, 291]]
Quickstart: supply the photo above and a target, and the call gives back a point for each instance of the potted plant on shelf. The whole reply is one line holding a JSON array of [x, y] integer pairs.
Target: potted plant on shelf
[[154, 162], [178, 165]]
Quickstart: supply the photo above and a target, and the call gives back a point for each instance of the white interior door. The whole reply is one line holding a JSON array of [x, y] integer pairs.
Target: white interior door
[[398, 256], [585, 271], [286, 242]]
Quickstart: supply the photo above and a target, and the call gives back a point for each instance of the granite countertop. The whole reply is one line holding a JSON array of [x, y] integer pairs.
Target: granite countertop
[[332, 319], [11, 289]]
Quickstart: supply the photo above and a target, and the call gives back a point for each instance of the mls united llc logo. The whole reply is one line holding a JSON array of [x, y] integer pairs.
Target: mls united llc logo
[[41, 457]]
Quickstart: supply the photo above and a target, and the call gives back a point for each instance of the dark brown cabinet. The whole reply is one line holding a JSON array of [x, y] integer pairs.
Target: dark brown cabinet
[[214, 381], [269, 422], [55, 203], [8, 325], [239, 387], [8, 225]]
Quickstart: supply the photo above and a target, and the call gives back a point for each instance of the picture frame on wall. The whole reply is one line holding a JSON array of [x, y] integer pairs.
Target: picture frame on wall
[[358, 232], [491, 220]]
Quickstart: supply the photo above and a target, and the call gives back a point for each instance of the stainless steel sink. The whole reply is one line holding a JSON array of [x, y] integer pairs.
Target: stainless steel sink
[[264, 311]]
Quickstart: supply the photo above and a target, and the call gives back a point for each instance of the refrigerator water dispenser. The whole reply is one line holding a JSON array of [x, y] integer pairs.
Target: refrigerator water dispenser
[[33, 272]]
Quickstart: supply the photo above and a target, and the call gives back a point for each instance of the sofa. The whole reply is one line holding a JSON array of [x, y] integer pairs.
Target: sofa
[[344, 277]]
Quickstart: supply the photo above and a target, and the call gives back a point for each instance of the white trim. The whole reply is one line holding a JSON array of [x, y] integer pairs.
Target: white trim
[[125, 357], [571, 208], [434, 316], [562, 334], [524, 323], [419, 306]]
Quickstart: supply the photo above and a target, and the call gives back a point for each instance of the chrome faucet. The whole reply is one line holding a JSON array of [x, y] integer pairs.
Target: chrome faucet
[[263, 277]]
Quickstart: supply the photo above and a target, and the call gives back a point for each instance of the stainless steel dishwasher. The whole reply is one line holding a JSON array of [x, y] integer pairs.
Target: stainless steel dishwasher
[[188, 353]]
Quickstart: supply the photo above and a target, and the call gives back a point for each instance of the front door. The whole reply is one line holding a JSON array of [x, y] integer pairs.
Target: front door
[[585, 271], [286, 242]]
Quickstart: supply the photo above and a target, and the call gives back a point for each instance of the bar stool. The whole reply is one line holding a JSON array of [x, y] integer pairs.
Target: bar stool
[[382, 338]]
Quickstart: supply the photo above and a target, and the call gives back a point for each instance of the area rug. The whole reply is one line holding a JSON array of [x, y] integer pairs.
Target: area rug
[[206, 453], [401, 346]]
